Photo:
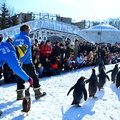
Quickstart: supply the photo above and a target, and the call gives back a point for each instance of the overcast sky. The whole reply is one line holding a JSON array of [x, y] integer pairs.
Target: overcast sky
[[76, 9]]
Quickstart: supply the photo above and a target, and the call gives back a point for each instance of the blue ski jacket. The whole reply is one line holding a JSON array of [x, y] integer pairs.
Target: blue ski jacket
[[24, 39], [8, 55]]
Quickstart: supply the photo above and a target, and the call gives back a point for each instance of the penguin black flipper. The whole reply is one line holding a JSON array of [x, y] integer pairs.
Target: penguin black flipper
[[70, 90], [107, 77], [26, 101], [118, 80], [84, 93], [24, 104], [88, 80], [109, 71], [29, 104]]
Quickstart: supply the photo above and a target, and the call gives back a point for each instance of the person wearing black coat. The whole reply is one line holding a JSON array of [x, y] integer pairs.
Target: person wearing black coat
[[56, 49], [102, 78], [93, 84], [114, 73], [79, 91]]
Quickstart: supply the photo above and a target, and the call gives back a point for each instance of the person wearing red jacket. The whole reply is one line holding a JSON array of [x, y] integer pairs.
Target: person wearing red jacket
[[54, 67], [45, 54], [46, 49]]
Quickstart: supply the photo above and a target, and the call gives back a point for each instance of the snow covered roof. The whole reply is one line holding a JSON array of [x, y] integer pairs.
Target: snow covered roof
[[101, 33], [103, 27]]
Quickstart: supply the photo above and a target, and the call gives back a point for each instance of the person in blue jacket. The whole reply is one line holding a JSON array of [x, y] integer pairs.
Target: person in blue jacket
[[8, 55], [23, 39]]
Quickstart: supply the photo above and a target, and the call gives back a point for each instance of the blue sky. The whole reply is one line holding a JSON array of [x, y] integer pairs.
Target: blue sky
[[76, 9]]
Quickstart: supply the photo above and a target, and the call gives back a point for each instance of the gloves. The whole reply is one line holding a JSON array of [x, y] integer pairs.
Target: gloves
[[30, 81]]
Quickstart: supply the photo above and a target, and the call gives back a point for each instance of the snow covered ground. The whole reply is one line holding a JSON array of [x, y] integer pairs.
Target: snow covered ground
[[56, 104]]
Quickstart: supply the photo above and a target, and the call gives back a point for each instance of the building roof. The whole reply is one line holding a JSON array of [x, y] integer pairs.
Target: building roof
[[103, 27], [101, 33]]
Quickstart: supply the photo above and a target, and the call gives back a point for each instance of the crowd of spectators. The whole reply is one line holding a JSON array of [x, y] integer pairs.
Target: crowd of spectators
[[58, 57], [55, 58]]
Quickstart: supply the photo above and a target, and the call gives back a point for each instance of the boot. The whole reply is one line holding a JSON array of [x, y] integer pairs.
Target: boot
[[20, 95], [38, 94]]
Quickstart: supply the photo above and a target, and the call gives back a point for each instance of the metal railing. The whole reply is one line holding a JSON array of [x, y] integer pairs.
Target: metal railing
[[42, 24]]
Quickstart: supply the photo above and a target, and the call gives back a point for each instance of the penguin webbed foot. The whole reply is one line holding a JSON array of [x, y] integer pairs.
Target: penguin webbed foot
[[77, 105], [94, 97], [25, 112]]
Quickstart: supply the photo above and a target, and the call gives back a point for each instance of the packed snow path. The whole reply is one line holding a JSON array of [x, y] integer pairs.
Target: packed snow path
[[56, 104]]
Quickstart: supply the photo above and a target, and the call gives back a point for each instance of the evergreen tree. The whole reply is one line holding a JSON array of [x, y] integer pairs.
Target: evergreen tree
[[5, 20]]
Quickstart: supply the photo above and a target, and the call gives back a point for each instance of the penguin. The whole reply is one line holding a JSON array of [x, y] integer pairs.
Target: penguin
[[102, 79], [93, 84], [114, 73], [118, 80], [100, 65], [26, 104], [79, 91]]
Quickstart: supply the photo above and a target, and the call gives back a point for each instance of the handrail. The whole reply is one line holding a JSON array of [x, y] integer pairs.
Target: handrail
[[42, 23]]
